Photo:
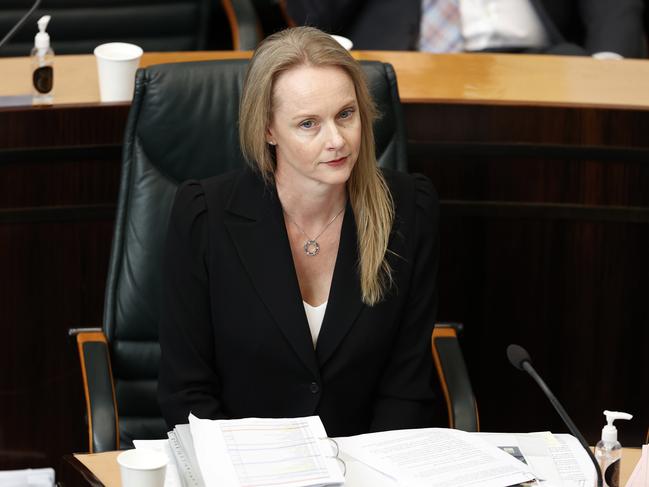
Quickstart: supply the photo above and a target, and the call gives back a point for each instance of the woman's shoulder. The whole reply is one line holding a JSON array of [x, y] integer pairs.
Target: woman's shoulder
[[198, 194], [411, 190]]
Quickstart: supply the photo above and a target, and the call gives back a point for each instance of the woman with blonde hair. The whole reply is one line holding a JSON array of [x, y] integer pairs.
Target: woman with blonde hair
[[304, 284]]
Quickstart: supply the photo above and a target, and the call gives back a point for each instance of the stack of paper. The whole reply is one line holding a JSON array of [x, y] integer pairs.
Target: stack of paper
[[30, 477], [556, 460], [255, 452], [182, 447], [295, 452]]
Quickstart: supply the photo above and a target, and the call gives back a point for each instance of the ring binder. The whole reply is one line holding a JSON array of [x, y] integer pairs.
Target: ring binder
[[256, 452], [182, 447], [336, 455]]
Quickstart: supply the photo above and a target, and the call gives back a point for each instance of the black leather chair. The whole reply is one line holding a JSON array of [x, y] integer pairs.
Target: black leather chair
[[182, 124], [78, 26]]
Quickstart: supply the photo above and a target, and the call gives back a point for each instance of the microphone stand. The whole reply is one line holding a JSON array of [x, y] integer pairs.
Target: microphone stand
[[15, 28], [527, 367]]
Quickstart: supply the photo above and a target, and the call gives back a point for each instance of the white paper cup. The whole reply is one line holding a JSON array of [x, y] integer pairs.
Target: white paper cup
[[116, 65], [343, 41], [607, 55], [142, 468]]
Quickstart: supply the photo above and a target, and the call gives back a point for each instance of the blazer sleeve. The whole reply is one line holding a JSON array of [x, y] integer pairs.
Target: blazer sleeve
[[406, 397], [187, 380], [614, 25]]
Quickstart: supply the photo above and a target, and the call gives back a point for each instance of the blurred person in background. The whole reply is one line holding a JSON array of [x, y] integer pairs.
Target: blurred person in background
[[570, 27]]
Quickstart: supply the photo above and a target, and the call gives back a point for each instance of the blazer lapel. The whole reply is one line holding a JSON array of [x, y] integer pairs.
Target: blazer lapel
[[256, 225], [344, 304]]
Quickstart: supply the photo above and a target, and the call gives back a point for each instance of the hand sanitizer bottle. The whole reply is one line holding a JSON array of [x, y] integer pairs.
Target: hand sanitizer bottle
[[608, 450], [42, 65]]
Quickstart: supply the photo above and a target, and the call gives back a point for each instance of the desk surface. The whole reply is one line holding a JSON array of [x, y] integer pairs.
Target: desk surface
[[511, 79], [104, 465]]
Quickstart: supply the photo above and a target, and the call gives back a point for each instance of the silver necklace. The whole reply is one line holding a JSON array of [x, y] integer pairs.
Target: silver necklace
[[311, 246]]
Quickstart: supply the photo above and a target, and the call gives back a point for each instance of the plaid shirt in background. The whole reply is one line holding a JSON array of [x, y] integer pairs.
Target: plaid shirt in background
[[441, 26]]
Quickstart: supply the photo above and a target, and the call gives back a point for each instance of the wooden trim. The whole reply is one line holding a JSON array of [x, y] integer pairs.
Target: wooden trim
[[233, 21], [526, 150], [94, 337], [546, 211], [424, 78], [64, 213], [100, 152], [443, 332]]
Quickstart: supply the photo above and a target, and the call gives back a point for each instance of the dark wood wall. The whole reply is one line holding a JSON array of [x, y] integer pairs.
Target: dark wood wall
[[545, 243], [59, 171]]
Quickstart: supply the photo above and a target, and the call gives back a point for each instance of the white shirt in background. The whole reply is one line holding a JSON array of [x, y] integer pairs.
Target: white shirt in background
[[500, 24]]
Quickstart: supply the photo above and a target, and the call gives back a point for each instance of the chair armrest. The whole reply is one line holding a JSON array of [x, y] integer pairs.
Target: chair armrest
[[454, 379], [98, 388]]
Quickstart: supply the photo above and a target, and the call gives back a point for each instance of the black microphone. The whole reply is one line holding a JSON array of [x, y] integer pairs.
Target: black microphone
[[15, 28], [520, 359]]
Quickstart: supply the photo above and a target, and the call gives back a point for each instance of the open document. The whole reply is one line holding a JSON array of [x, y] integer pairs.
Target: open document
[[294, 452], [433, 457], [256, 452], [556, 460]]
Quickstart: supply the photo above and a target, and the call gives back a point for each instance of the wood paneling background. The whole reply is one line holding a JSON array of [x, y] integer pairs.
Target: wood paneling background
[[59, 172], [545, 243], [545, 239]]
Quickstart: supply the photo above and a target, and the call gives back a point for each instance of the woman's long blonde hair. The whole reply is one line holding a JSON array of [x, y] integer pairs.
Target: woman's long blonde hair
[[368, 192]]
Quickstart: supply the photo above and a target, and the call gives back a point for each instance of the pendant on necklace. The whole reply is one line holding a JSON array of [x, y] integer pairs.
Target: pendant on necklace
[[311, 248]]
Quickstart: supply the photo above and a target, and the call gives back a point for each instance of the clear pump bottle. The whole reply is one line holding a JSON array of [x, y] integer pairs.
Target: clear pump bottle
[[42, 65], [608, 450]]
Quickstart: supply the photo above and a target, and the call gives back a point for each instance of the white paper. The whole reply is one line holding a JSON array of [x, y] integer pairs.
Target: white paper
[[172, 479], [259, 452], [29, 477], [557, 460], [436, 457]]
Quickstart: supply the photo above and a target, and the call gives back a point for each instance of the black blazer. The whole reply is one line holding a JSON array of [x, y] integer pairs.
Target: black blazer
[[234, 336], [370, 24], [574, 26]]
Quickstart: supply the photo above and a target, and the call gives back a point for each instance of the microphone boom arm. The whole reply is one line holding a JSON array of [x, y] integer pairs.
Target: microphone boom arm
[[15, 28], [527, 366]]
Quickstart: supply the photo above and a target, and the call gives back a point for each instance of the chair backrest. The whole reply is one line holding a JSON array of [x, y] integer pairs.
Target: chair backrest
[[182, 125], [78, 26]]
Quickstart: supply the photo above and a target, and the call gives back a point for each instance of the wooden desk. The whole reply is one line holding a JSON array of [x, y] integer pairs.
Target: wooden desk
[[101, 470], [502, 79], [542, 166]]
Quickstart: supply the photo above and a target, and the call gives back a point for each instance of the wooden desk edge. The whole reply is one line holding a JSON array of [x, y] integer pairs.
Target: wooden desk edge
[[74, 472], [81, 462], [412, 90]]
